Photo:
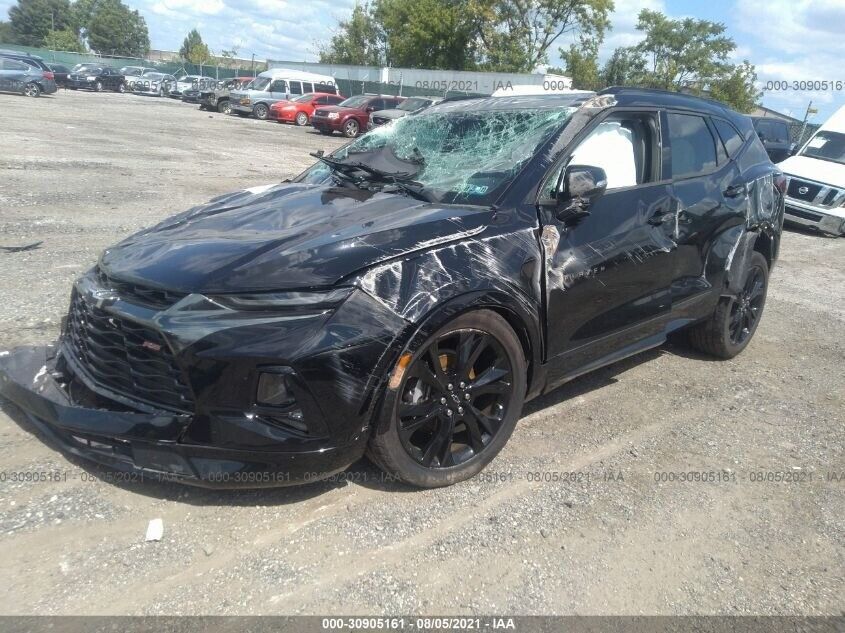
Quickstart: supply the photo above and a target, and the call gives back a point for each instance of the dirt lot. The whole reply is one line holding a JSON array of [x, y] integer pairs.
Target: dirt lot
[[80, 171]]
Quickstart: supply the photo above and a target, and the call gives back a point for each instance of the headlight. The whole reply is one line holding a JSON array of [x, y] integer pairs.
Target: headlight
[[334, 115], [262, 301]]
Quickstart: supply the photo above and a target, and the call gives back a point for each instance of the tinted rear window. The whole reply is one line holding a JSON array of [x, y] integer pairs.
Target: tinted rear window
[[775, 131]]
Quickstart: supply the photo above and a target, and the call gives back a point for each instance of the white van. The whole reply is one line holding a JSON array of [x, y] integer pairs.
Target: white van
[[815, 194], [277, 84]]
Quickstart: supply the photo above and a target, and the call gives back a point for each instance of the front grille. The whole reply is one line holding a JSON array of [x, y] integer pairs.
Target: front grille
[[138, 294], [800, 213], [810, 191], [125, 357]]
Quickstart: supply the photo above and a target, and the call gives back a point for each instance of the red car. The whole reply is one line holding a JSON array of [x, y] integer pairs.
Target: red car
[[352, 115], [299, 109]]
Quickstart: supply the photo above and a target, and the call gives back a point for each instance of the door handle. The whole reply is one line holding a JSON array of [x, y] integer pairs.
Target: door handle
[[659, 218], [734, 191]]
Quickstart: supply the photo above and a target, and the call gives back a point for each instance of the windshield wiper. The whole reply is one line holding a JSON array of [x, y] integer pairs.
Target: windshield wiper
[[401, 180]]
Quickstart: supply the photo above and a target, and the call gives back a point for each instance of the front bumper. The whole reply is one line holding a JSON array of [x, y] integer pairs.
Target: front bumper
[[238, 107], [327, 125], [134, 442], [803, 214], [82, 83]]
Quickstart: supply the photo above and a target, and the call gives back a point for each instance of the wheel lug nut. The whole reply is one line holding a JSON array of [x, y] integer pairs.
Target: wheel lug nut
[[466, 396], [449, 386], [463, 385], [460, 409], [449, 412], [442, 400]]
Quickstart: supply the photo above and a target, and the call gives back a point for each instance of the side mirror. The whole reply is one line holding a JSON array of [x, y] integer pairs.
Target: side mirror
[[579, 187]]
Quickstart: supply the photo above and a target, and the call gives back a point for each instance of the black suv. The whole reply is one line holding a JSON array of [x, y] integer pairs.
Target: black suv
[[774, 135], [408, 293]]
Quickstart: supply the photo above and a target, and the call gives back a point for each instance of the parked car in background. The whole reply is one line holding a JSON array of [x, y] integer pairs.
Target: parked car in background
[[25, 74], [96, 78], [187, 82], [411, 105], [60, 74], [217, 98], [815, 195], [350, 117], [277, 84], [774, 133], [299, 109], [153, 83], [134, 71], [406, 295], [192, 94]]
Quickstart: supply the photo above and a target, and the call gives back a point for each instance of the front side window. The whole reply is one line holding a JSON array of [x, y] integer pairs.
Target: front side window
[[307, 87], [693, 147], [295, 87]]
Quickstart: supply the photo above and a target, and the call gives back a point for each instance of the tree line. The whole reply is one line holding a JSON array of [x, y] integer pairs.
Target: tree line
[[107, 27], [688, 55]]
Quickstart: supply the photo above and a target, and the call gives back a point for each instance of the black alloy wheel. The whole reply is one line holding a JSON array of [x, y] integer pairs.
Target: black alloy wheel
[[733, 323], [457, 404], [747, 308]]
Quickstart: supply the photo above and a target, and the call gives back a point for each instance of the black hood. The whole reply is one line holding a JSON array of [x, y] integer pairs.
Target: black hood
[[287, 237]]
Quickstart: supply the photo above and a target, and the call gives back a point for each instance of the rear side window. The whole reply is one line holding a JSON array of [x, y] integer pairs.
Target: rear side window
[[13, 64], [295, 87], [730, 137], [307, 87], [693, 146], [324, 88], [335, 100]]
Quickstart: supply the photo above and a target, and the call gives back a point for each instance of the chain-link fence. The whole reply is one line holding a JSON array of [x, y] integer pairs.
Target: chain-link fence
[[70, 59]]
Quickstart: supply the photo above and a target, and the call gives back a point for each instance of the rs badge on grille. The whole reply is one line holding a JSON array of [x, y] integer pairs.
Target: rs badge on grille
[[155, 347]]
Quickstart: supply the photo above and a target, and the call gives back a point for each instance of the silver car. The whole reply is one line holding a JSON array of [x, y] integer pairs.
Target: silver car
[[152, 83], [411, 105]]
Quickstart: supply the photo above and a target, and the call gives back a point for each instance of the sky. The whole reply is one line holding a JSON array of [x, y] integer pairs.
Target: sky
[[787, 40]]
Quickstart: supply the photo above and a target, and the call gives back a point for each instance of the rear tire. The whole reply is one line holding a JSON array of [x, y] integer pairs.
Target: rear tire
[[98, 87], [446, 421], [734, 321], [121, 88], [32, 89]]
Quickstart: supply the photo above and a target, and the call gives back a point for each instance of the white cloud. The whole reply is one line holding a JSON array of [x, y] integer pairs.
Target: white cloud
[[795, 41]]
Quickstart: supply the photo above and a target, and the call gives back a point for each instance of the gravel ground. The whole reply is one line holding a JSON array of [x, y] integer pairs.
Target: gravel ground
[[80, 171]]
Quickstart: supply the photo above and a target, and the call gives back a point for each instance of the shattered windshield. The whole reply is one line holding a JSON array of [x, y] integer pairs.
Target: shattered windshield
[[458, 157], [827, 146]]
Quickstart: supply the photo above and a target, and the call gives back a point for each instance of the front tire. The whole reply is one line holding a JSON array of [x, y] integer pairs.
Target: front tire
[[224, 107], [121, 88], [734, 321], [456, 405], [98, 87], [301, 119], [261, 112], [351, 128], [32, 89]]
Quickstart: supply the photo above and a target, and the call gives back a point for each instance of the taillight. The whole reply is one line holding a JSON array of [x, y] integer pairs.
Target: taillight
[[780, 183], [49, 75]]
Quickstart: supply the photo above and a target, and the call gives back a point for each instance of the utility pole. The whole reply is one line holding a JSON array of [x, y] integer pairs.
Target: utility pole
[[253, 64], [810, 110]]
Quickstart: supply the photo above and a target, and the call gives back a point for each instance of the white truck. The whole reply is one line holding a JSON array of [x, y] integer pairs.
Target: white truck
[[815, 194]]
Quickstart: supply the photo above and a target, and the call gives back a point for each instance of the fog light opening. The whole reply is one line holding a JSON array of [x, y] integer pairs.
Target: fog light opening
[[273, 390]]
